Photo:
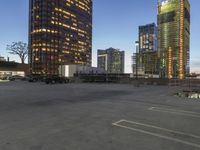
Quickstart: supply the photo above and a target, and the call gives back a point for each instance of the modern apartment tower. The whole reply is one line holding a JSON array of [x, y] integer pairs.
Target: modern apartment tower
[[145, 60], [174, 38], [111, 60], [148, 38], [60, 33]]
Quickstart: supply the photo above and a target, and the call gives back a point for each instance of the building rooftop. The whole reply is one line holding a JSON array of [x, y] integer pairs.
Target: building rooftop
[[89, 116]]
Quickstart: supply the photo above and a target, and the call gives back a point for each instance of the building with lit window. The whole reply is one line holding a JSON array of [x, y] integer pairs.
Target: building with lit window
[[11, 68], [111, 60], [146, 64], [145, 60], [174, 38], [60, 33], [134, 59], [148, 38]]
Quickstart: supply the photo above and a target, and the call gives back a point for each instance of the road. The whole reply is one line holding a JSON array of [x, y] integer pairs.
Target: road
[[36, 116]]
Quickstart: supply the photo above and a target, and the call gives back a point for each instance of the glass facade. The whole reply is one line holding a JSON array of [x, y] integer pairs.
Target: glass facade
[[149, 62], [145, 60], [174, 38], [60, 32], [148, 38], [111, 60]]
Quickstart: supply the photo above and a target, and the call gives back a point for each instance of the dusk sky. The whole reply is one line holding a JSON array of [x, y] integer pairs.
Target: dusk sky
[[115, 24]]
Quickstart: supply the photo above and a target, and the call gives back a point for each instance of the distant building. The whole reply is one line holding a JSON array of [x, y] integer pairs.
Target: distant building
[[8, 69], [145, 60], [148, 38], [137, 46], [149, 62], [146, 64], [2, 59], [136, 66], [72, 70], [174, 38], [138, 69], [112, 60], [60, 32]]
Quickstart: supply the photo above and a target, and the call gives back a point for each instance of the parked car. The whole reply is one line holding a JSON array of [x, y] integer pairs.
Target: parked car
[[4, 78], [17, 77], [36, 78], [56, 79], [11, 79]]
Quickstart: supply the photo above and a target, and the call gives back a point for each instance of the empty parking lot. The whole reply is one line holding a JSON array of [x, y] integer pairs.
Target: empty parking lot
[[96, 117]]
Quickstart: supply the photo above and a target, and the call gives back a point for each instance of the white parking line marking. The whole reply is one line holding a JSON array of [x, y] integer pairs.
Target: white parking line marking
[[159, 128], [173, 111], [156, 134]]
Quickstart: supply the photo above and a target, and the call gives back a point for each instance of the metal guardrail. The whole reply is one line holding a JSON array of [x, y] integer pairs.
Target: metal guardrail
[[187, 84]]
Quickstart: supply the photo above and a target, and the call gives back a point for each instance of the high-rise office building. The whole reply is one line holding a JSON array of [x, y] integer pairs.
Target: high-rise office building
[[137, 48], [145, 60], [174, 38], [149, 63], [146, 64], [111, 60], [60, 32], [134, 58], [137, 67], [148, 38]]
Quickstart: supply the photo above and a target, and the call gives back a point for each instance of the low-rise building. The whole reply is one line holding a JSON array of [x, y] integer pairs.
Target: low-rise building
[[8, 69], [2, 58], [72, 70]]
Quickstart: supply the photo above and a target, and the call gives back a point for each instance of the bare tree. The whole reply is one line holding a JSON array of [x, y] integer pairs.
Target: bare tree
[[20, 49]]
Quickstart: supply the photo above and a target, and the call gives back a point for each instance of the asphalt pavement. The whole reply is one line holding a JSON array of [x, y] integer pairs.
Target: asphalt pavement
[[36, 116]]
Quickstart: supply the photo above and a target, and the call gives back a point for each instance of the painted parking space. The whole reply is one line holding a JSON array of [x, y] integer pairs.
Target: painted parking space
[[160, 132]]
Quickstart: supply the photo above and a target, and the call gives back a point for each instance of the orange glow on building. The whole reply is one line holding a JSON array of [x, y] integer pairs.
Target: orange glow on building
[[170, 63], [181, 42], [174, 33]]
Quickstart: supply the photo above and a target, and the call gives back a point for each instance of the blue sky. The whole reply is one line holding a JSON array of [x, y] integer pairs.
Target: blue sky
[[115, 24]]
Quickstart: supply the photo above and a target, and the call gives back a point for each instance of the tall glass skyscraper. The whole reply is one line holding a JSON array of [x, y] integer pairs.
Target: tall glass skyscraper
[[174, 38], [145, 60], [148, 38], [60, 32]]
